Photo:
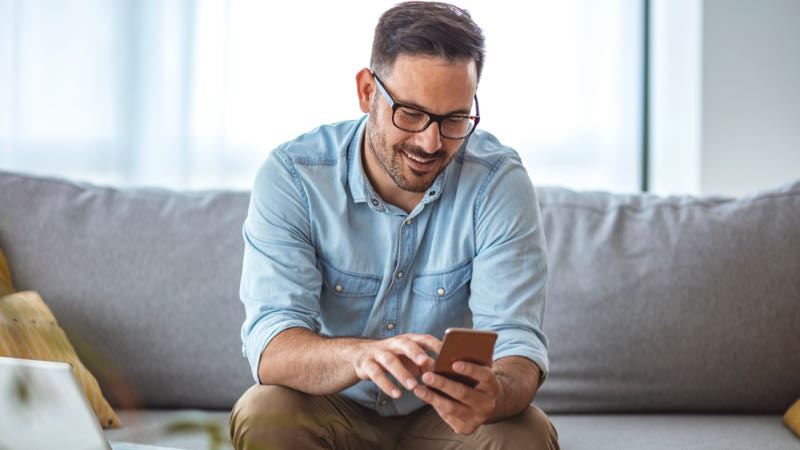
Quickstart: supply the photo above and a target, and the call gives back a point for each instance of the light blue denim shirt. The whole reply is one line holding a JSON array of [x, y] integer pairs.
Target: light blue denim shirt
[[323, 251]]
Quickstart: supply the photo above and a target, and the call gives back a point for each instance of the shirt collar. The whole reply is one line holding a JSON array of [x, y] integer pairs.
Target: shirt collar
[[360, 187], [356, 177]]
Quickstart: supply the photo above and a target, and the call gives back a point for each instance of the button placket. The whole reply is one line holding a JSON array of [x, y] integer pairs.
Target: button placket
[[402, 248]]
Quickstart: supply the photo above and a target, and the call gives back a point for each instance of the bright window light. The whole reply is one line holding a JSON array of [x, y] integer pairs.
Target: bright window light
[[195, 94]]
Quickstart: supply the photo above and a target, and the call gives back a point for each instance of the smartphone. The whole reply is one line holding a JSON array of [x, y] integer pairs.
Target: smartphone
[[464, 344]]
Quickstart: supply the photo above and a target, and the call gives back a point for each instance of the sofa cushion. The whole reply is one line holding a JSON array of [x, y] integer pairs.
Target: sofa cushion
[[6, 285], [672, 304], [670, 432], [28, 330], [575, 432], [792, 418], [148, 277]]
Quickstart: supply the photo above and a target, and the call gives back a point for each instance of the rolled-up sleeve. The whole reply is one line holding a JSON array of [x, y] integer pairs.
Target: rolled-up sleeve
[[280, 285], [509, 278]]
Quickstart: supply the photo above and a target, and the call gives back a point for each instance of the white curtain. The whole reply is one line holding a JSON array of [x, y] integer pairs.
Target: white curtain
[[195, 93]]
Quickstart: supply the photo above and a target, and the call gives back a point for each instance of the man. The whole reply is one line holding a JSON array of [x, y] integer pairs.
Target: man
[[365, 240]]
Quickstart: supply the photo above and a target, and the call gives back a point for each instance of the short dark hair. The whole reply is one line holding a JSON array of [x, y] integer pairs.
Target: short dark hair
[[426, 28]]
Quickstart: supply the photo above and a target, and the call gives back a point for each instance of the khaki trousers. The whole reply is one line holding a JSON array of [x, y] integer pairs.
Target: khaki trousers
[[279, 418]]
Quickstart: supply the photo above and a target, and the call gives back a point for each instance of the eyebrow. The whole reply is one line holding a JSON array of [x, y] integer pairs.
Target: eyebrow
[[461, 111]]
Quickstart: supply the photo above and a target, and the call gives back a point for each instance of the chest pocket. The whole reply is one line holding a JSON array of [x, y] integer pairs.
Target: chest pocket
[[342, 283], [346, 300], [443, 285]]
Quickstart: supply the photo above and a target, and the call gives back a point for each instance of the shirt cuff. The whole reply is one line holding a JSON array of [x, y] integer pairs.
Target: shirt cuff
[[521, 343], [262, 334]]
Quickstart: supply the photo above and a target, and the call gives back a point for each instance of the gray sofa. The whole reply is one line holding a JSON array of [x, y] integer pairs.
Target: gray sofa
[[674, 323]]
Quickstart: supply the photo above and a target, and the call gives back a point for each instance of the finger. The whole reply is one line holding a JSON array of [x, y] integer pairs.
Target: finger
[[378, 376], [479, 373], [428, 366], [427, 341], [411, 350], [456, 390], [448, 409], [411, 366], [393, 365], [413, 347], [457, 416]]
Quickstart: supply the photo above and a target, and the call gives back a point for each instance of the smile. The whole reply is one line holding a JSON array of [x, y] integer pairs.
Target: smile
[[418, 159]]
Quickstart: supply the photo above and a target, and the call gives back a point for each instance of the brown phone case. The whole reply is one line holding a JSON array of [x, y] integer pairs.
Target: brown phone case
[[464, 344]]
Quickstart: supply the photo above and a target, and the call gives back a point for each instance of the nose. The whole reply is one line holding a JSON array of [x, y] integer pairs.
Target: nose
[[430, 140]]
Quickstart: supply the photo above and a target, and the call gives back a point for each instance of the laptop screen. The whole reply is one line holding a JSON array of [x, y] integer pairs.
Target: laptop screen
[[43, 407]]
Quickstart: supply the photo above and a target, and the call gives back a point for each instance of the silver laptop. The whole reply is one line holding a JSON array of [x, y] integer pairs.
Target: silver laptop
[[42, 406]]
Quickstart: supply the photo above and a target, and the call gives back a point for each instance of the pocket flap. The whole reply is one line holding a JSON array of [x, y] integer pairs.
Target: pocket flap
[[441, 285], [348, 284]]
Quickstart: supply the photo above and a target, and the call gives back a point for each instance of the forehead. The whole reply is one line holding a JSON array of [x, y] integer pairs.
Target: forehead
[[433, 83]]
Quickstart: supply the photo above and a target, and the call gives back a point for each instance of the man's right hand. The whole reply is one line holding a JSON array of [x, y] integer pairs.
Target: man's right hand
[[403, 356]]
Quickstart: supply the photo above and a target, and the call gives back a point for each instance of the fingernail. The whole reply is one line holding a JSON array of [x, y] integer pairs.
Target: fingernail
[[458, 366], [396, 393], [411, 383], [421, 359], [427, 377]]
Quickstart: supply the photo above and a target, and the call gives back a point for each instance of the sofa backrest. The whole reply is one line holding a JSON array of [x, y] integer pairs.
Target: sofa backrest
[[655, 304], [672, 304], [145, 282]]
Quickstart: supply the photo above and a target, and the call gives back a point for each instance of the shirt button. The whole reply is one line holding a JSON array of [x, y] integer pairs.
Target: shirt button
[[374, 202], [390, 326], [383, 402], [441, 292], [339, 288], [409, 221], [399, 274]]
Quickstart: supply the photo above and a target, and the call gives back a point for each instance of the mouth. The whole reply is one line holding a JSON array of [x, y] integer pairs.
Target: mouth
[[417, 163]]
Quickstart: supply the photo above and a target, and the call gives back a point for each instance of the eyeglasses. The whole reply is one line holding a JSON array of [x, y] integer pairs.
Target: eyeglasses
[[415, 120]]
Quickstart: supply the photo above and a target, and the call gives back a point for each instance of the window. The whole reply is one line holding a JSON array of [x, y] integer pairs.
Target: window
[[195, 94]]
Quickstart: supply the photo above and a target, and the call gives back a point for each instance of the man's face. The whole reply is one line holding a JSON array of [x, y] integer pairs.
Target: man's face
[[414, 160]]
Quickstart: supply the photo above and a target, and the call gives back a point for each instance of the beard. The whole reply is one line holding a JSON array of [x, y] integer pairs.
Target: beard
[[393, 160]]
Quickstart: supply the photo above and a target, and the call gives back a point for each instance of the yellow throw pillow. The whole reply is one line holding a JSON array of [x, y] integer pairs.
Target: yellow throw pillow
[[29, 330], [792, 418], [6, 286]]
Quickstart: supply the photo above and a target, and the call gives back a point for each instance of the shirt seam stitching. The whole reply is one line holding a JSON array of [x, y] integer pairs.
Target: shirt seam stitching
[[287, 162], [482, 190]]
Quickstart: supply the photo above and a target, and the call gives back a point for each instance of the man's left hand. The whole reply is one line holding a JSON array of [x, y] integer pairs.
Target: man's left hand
[[468, 408]]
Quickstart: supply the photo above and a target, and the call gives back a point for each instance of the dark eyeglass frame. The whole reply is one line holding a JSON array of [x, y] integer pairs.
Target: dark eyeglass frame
[[431, 117]]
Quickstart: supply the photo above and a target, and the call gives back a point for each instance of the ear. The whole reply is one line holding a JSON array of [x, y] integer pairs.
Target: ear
[[366, 89]]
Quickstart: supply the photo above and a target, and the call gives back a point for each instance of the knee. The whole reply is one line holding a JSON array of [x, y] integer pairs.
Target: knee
[[263, 413], [269, 399], [545, 432], [530, 429]]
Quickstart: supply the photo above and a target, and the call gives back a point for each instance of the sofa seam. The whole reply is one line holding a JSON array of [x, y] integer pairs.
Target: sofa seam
[[697, 204]]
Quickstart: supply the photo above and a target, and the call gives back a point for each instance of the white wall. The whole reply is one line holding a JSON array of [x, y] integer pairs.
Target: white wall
[[725, 114], [751, 95]]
